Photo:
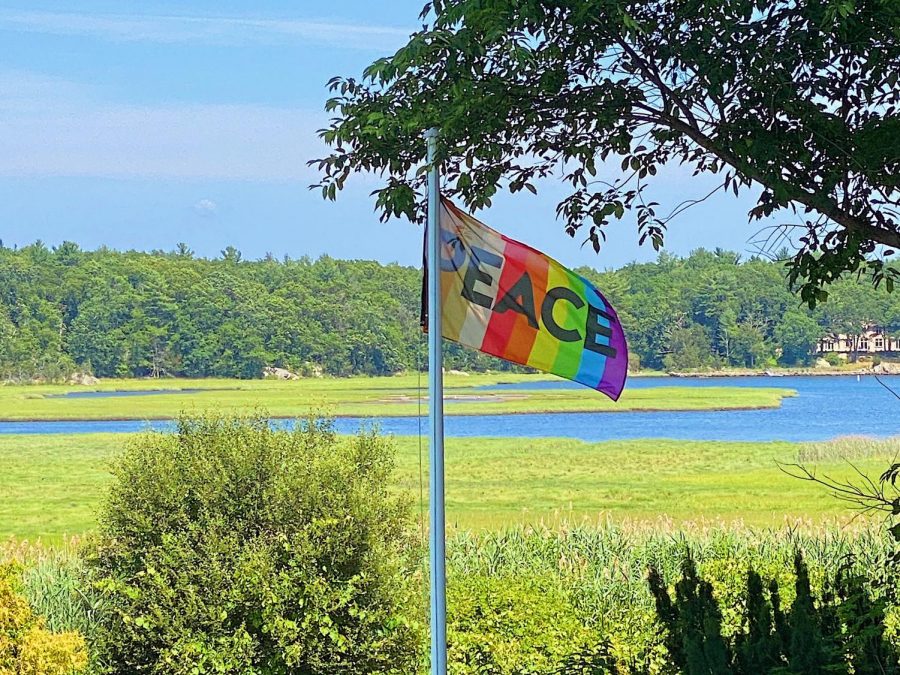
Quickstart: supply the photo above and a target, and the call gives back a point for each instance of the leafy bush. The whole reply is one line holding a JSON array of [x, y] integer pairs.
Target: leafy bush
[[834, 359], [512, 625], [233, 547], [26, 646]]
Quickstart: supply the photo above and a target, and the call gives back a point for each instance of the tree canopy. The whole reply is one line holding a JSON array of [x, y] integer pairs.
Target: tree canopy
[[127, 314], [796, 101]]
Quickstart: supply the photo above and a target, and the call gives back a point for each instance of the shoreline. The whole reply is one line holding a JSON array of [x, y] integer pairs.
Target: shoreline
[[37, 420], [798, 372], [165, 384]]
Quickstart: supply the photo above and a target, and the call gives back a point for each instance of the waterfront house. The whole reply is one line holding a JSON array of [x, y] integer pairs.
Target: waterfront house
[[871, 340]]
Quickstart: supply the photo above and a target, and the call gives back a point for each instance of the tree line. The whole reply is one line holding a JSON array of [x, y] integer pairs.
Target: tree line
[[127, 314]]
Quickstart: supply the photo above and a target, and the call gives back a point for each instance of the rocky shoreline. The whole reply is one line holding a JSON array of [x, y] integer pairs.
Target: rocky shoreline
[[867, 369]]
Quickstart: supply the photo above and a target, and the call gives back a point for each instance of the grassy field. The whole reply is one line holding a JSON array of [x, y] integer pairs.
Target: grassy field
[[50, 485], [360, 396]]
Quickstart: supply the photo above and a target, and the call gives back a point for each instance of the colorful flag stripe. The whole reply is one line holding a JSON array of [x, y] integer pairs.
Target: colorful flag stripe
[[507, 299]]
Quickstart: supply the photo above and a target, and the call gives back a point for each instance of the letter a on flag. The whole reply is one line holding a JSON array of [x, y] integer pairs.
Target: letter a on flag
[[506, 299]]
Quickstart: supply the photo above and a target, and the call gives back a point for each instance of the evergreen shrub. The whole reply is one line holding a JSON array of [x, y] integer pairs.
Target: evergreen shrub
[[842, 629]]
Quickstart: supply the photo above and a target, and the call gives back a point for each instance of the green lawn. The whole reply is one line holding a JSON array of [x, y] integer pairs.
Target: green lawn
[[50, 485], [358, 396]]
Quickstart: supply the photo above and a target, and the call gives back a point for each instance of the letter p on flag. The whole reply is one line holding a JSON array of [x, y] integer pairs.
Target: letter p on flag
[[509, 300]]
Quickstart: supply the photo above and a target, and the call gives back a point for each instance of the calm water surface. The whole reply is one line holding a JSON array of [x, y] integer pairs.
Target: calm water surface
[[825, 407], [127, 393]]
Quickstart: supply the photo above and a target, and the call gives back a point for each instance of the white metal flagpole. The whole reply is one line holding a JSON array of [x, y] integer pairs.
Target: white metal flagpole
[[436, 420]]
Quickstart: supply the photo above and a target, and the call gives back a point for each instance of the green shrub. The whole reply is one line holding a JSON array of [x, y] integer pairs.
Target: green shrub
[[512, 626], [834, 359], [26, 646], [232, 547]]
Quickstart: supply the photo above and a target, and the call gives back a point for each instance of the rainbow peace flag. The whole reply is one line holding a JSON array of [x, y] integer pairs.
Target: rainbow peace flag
[[506, 299]]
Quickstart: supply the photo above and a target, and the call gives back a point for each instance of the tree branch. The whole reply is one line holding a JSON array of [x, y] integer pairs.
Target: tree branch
[[824, 205]]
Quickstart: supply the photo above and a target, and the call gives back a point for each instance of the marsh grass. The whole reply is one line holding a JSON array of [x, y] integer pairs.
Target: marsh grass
[[604, 566], [50, 485], [848, 448], [56, 582], [357, 396]]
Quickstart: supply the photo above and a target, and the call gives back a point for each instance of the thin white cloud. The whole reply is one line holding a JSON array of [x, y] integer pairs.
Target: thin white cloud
[[206, 208], [53, 127], [168, 29]]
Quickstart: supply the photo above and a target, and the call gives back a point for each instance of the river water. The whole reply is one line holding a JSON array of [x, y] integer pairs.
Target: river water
[[825, 408]]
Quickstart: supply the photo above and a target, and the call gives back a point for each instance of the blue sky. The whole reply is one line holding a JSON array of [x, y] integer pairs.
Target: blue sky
[[140, 125]]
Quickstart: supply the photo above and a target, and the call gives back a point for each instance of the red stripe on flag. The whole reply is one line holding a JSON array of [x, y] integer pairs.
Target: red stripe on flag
[[509, 334], [519, 348]]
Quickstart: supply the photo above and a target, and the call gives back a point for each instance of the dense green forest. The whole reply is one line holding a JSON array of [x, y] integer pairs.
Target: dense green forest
[[118, 314]]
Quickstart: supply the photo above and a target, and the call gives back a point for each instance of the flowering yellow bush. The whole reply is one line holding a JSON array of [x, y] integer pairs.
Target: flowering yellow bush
[[26, 647]]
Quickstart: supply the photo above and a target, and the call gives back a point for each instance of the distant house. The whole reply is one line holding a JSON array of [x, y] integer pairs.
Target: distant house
[[872, 340]]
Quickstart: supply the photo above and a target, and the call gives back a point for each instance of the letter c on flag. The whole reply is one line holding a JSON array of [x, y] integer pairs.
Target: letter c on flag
[[550, 300]]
